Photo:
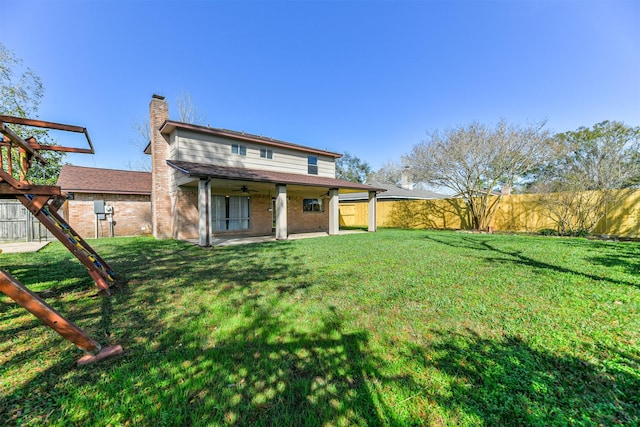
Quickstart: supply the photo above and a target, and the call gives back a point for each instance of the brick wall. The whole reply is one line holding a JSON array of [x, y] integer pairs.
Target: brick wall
[[306, 222], [185, 213], [162, 219], [261, 215], [262, 220], [132, 214]]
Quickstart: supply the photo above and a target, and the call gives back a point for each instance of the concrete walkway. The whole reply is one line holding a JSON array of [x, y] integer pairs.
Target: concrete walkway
[[261, 239], [16, 247]]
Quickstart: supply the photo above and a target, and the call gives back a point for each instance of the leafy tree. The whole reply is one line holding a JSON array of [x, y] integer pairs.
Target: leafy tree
[[475, 159], [592, 169], [21, 91], [351, 168]]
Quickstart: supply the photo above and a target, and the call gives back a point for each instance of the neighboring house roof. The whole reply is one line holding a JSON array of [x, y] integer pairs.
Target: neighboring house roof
[[393, 192], [203, 170], [78, 179], [170, 125], [479, 193]]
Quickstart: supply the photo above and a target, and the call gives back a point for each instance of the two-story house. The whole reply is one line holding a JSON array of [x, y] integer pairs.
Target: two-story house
[[210, 182]]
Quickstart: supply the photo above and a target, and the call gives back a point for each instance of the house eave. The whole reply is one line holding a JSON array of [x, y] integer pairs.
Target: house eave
[[170, 126], [206, 171]]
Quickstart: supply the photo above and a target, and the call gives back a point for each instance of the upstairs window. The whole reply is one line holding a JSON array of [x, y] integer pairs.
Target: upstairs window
[[239, 149], [312, 165], [266, 153]]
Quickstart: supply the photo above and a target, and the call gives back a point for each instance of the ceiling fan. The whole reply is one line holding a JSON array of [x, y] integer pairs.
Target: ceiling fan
[[245, 190]]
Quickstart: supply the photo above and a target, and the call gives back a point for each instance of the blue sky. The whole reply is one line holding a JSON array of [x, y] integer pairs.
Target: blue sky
[[367, 77]]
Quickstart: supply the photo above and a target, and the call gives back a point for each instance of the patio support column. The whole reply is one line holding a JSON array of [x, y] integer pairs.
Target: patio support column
[[204, 212], [334, 211], [373, 199], [281, 212]]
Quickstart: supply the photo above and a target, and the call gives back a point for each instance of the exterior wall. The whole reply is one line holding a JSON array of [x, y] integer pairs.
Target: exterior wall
[[132, 214], [195, 147], [261, 215], [517, 212], [261, 218], [306, 222], [184, 211]]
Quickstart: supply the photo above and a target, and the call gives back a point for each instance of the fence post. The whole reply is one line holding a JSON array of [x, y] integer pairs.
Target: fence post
[[27, 225]]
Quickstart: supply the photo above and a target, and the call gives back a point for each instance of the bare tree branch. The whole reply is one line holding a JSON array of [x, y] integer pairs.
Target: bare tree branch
[[474, 160], [187, 111]]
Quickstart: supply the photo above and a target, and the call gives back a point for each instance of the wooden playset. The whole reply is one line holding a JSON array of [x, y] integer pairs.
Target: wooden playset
[[43, 201]]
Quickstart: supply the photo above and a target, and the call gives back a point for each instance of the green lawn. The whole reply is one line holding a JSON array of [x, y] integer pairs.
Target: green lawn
[[388, 328]]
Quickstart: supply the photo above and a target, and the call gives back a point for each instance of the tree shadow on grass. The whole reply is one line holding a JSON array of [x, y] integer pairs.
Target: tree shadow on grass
[[185, 364], [262, 373], [515, 256], [169, 264], [505, 381], [627, 259]]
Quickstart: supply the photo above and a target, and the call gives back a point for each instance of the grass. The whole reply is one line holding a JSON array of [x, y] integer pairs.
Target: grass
[[392, 328]]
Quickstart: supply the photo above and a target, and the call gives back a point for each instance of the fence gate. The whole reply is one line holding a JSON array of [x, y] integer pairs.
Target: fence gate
[[17, 224]]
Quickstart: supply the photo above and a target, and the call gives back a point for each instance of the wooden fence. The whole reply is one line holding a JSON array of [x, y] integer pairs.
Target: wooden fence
[[17, 223], [518, 212]]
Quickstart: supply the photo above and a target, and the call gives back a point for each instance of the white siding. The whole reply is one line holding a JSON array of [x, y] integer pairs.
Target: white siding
[[195, 147]]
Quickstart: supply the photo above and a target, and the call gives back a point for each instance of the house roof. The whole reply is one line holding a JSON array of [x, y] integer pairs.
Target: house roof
[[203, 170], [169, 126], [80, 179], [394, 192]]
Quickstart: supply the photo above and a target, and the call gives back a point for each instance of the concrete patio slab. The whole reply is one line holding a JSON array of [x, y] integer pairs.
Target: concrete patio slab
[[20, 247], [261, 239]]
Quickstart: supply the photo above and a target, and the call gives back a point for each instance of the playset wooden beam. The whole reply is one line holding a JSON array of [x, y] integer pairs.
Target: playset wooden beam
[[15, 290], [50, 190], [49, 125]]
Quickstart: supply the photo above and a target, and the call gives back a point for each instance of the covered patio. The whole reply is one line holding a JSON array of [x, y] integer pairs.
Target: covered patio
[[274, 188]]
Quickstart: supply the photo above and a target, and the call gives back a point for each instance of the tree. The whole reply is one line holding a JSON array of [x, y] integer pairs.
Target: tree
[[389, 173], [474, 160], [21, 91], [187, 113], [140, 139], [351, 168], [592, 169]]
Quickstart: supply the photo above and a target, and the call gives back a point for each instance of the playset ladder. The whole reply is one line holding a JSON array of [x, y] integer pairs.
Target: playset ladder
[[43, 210]]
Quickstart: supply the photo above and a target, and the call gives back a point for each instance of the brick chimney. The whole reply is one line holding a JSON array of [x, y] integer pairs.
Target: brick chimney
[[406, 181], [160, 174]]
